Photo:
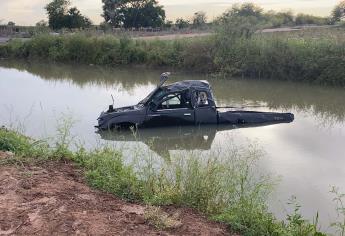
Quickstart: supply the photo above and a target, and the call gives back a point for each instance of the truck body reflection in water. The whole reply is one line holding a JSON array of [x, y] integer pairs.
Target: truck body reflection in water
[[164, 139]]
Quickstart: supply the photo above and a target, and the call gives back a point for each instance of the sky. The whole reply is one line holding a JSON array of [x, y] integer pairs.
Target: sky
[[28, 12]]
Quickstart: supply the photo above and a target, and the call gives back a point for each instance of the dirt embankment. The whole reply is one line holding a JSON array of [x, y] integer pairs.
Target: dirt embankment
[[53, 199]]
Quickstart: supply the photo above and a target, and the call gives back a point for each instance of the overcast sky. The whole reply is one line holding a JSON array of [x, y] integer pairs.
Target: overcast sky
[[28, 12]]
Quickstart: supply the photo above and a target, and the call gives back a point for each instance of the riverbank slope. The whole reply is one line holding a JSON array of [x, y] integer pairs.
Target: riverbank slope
[[52, 197], [224, 191]]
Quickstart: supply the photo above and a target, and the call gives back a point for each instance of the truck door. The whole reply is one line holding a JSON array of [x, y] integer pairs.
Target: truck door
[[172, 110], [204, 108]]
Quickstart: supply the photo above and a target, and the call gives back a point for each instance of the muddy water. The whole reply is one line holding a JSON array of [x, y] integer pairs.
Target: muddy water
[[308, 154]]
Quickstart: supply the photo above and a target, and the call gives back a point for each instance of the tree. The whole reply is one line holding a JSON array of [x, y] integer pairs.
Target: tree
[[181, 23], [42, 23], [11, 23], [338, 12], [133, 13], [168, 24], [287, 17], [305, 19], [57, 11], [61, 16], [241, 21], [76, 20], [199, 19], [246, 9]]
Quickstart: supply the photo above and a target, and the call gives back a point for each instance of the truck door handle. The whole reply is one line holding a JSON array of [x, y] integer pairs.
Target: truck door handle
[[187, 114]]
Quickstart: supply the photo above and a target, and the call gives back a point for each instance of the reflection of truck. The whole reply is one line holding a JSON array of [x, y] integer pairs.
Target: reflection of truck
[[182, 103], [164, 139]]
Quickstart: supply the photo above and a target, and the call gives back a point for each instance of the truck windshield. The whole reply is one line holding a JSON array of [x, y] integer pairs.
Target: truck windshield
[[152, 96]]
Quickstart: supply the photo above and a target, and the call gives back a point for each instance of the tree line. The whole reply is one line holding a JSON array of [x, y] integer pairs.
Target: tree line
[[148, 13]]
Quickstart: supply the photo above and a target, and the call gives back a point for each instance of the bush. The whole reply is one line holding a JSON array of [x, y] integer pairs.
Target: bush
[[21, 145], [237, 49], [105, 170], [301, 59], [304, 19], [14, 142]]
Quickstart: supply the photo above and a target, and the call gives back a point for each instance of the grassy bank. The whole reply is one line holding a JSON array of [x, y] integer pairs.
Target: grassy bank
[[306, 56], [228, 191]]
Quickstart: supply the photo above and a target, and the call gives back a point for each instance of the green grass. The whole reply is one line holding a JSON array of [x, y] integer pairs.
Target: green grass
[[316, 61], [227, 188], [315, 56]]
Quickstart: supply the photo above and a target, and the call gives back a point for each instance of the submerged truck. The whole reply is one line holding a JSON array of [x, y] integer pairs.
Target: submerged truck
[[189, 102]]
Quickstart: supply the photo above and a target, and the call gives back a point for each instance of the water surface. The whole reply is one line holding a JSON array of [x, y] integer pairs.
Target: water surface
[[308, 154]]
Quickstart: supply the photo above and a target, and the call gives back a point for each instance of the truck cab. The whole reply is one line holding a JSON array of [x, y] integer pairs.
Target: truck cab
[[182, 103]]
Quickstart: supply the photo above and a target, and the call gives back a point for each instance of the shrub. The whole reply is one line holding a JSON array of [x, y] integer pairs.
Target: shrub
[[237, 49], [105, 170], [22, 145]]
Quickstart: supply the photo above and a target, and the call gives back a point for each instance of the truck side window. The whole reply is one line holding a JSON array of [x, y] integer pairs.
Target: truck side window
[[173, 101], [202, 99]]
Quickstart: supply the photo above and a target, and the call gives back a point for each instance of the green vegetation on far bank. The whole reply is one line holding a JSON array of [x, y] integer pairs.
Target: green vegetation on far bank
[[227, 191], [312, 56], [238, 48]]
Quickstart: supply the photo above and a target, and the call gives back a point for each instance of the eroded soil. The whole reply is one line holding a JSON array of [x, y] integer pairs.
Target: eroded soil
[[53, 199]]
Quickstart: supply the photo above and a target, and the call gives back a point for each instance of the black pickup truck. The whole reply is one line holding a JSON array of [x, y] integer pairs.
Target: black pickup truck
[[189, 102]]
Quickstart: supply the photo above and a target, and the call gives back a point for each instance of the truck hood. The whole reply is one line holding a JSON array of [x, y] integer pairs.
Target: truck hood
[[120, 111]]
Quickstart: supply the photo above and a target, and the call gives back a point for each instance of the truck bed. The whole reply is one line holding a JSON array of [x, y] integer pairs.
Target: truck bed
[[253, 117]]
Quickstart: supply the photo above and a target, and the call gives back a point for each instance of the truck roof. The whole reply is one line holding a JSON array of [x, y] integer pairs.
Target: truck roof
[[187, 84]]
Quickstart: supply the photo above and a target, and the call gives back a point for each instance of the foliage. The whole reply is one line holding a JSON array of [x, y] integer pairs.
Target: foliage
[[199, 19], [288, 59], [14, 142], [242, 51], [168, 24], [270, 18], [278, 19], [233, 192], [297, 225], [338, 12], [63, 138], [105, 26], [21, 145], [133, 13], [237, 49], [42, 23], [41, 28], [339, 199], [245, 10], [105, 170], [74, 19], [304, 19], [181, 23], [241, 21], [56, 11], [11, 23], [61, 17]]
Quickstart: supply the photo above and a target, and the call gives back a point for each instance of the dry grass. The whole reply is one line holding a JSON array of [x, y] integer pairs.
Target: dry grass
[[160, 219]]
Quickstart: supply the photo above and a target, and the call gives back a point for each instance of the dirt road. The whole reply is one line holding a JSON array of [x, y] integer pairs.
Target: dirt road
[[53, 199], [173, 36]]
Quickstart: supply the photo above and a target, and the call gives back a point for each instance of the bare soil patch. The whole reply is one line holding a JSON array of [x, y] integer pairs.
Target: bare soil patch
[[53, 199]]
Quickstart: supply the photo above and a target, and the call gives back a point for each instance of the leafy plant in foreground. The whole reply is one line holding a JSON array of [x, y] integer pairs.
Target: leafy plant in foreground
[[339, 199]]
